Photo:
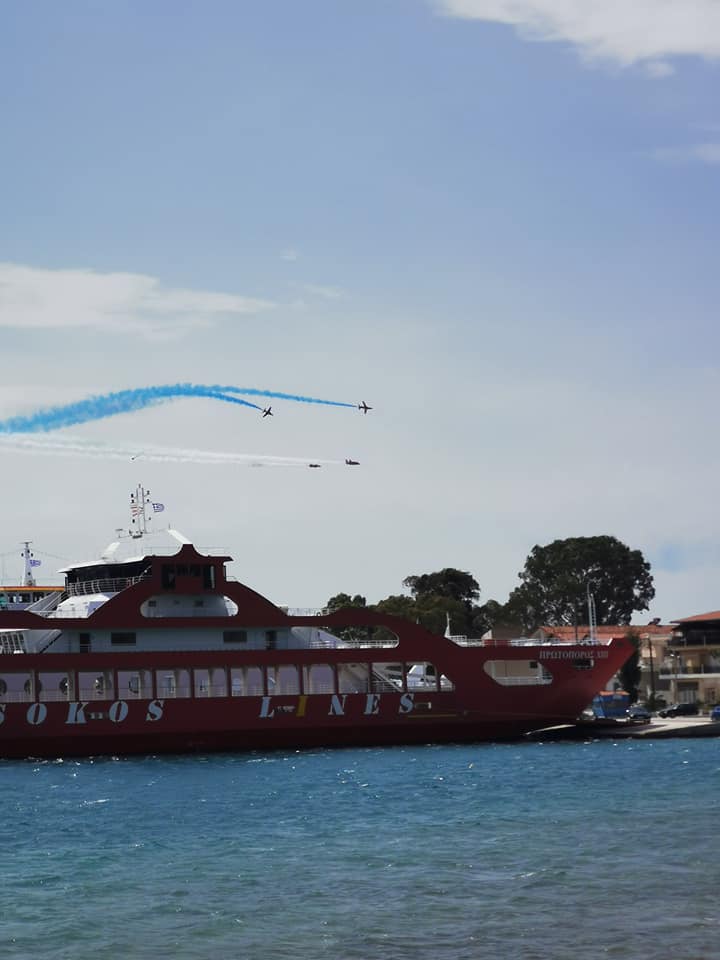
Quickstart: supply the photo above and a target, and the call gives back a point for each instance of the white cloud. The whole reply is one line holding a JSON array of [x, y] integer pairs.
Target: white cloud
[[708, 153], [620, 31], [659, 68], [326, 293], [290, 255], [34, 298]]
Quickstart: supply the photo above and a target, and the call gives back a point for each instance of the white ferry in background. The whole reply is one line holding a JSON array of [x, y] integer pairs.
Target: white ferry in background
[[26, 594]]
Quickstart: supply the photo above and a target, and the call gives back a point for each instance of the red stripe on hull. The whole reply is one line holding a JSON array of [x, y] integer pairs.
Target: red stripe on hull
[[282, 722]]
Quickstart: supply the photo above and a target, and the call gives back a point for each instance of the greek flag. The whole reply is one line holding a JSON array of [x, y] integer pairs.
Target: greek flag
[[35, 563], [158, 507]]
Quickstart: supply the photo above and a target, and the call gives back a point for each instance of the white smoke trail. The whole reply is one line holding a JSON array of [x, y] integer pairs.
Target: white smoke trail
[[79, 447]]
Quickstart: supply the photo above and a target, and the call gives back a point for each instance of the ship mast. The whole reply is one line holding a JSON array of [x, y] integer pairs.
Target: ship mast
[[139, 501], [592, 617], [28, 578]]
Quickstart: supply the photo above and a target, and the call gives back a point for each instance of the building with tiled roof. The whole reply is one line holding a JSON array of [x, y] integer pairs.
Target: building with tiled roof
[[693, 659]]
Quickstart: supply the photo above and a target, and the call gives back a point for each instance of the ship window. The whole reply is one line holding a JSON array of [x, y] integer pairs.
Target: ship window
[[386, 677], [96, 686], [424, 676], [19, 686], [270, 639], [283, 680], [319, 678], [198, 603], [237, 681], [246, 682], [126, 638], [152, 603], [181, 570], [583, 663], [173, 683], [353, 678], [253, 682], [234, 636], [3, 687], [210, 682], [134, 683], [209, 577], [518, 673], [168, 576]]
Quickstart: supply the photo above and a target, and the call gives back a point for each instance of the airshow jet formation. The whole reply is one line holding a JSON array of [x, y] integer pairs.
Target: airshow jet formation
[[362, 407], [16, 431]]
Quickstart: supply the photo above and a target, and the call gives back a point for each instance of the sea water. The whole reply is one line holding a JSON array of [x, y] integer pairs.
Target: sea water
[[528, 850]]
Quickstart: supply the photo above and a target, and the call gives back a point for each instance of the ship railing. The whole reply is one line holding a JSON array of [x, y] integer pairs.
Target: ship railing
[[526, 642], [336, 643], [103, 585]]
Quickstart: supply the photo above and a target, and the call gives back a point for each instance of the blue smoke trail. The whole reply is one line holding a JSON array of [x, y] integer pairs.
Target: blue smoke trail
[[127, 401], [249, 392]]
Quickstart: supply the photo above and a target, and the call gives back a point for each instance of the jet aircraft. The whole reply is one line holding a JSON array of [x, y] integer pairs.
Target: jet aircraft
[[363, 407], [315, 465], [267, 412], [353, 463]]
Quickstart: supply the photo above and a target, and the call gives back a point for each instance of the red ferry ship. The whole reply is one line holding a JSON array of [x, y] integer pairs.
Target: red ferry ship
[[152, 649]]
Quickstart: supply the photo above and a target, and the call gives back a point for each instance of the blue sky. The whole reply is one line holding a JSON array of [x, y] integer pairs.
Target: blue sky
[[495, 221]]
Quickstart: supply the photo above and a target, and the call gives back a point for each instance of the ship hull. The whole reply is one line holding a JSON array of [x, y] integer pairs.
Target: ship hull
[[191, 725], [163, 654]]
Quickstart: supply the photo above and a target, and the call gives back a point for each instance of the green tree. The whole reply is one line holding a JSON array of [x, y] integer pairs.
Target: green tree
[[556, 579], [446, 593], [492, 616], [449, 582], [397, 605], [339, 602]]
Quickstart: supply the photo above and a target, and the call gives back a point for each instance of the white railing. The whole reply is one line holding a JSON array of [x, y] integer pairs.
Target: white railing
[[527, 642], [103, 585]]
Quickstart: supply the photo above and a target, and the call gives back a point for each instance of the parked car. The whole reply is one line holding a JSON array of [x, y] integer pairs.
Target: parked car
[[715, 713], [680, 710], [638, 714]]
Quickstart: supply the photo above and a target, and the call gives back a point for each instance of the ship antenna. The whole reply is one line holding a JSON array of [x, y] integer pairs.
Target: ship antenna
[[592, 616], [28, 578], [138, 516]]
